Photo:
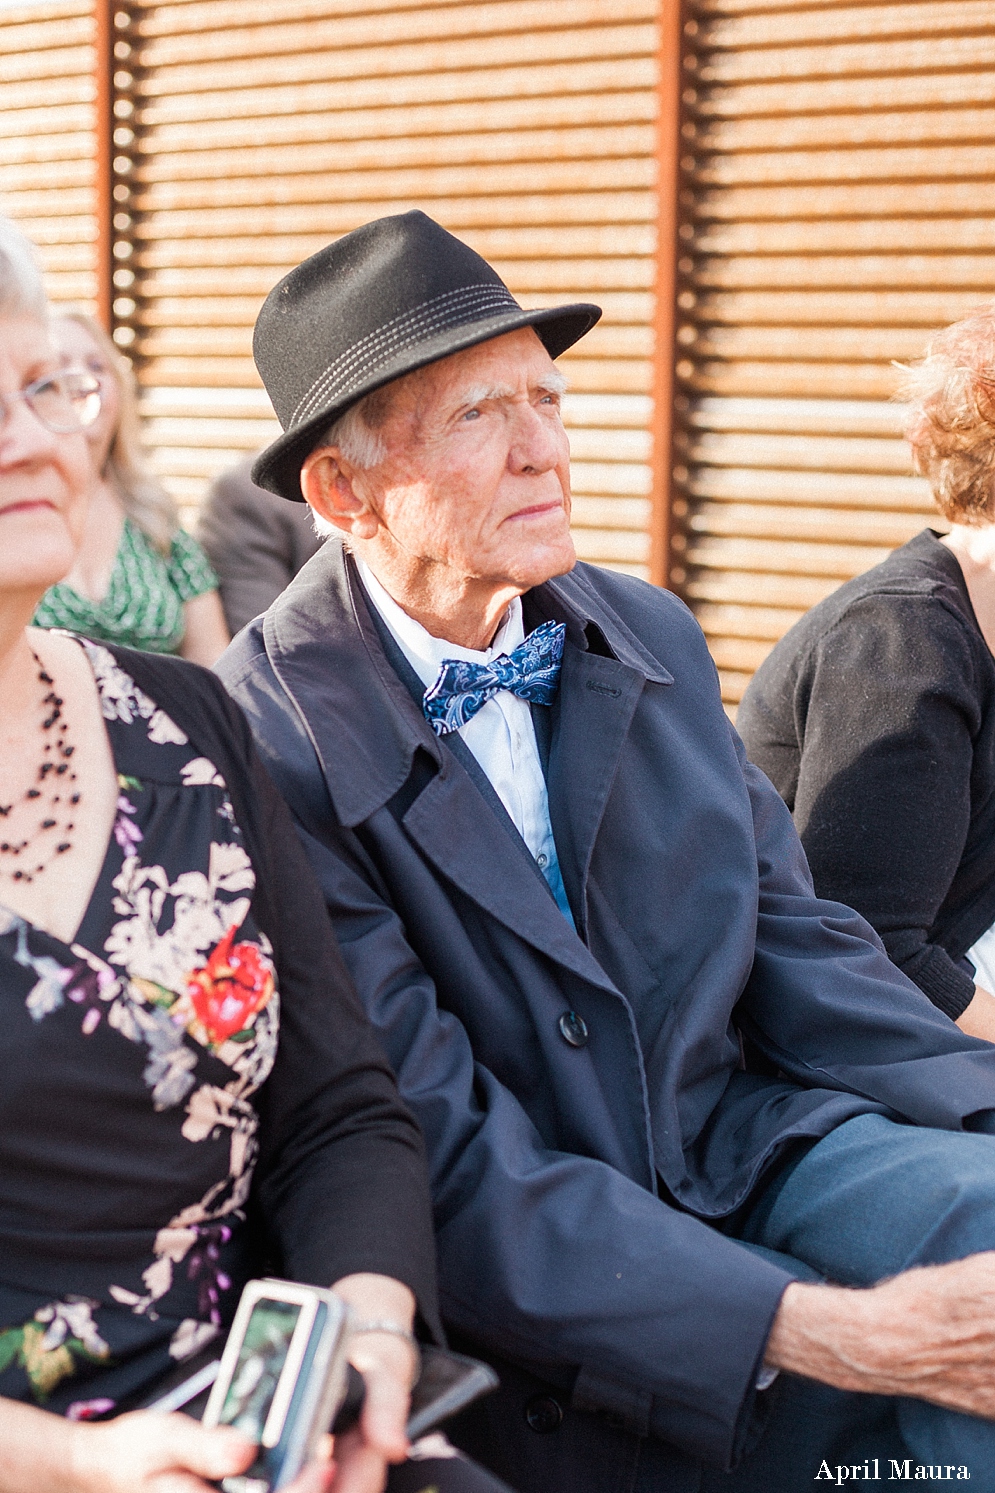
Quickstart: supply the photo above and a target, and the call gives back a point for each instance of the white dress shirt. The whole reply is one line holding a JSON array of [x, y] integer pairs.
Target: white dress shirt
[[501, 735]]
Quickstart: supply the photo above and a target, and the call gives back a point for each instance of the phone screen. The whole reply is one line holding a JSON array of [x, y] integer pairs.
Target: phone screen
[[263, 1355]]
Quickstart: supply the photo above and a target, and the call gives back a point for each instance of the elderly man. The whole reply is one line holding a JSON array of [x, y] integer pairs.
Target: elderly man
[[676, 1108]]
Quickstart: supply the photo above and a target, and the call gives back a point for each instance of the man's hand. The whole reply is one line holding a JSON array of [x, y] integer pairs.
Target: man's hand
[[928, 1333]]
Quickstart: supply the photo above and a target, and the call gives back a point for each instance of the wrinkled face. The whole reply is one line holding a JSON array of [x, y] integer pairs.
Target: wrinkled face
[[80, 350], [43, 476], [477, 473]]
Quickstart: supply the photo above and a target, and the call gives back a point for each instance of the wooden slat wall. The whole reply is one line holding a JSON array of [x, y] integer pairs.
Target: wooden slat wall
[[838, 186], [266, 128], [47, 121]]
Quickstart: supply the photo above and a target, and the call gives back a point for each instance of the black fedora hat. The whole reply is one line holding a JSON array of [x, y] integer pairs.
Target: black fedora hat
[[387, 298]]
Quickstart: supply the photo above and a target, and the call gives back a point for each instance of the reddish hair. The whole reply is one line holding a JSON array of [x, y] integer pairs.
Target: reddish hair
[[952, 418]]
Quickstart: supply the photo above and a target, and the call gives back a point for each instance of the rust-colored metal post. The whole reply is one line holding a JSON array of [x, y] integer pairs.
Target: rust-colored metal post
[[668, 159], [104, 145]]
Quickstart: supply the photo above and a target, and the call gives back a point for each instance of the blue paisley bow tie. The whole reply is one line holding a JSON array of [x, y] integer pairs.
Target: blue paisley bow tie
[[531, 671]]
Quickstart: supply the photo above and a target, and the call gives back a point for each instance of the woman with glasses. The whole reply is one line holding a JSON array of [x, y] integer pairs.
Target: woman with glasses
[[191, 1093], [138, 578], [874, 716]]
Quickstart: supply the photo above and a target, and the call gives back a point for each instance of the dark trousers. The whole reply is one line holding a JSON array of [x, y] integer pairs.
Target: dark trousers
[[443, 1475]]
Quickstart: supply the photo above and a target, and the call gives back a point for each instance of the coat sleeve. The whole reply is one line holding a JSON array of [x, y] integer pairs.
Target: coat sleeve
[[889, 706], [831, 1011]]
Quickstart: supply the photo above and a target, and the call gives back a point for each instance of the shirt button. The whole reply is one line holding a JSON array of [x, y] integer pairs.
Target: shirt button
[[544, 1414], [573, 1029], [542, 861]]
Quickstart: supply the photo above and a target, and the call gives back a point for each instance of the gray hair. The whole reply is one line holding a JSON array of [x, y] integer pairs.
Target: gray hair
[[361, 445], [21, 290]]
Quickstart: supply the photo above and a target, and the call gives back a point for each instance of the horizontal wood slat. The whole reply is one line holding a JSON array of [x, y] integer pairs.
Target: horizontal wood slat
[[233, 33], [46, 133], [421, 122], [581, 179], [844, 200], [914, 162], [912, 55], [836, 208], [831, 131], [825, 95], [328, 220], [47, 124], [623, 75], [440, 18], [781, 28], [628, 146], [850, 236], [322, 59]]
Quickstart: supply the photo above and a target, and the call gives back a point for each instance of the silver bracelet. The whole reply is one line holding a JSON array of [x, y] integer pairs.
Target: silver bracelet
[[394, 1329]]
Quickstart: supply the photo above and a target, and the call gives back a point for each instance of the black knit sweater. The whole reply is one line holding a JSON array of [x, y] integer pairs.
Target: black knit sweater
[[874, 717]]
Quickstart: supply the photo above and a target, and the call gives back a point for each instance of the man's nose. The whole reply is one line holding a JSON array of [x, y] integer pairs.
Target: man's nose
[[538, 441]]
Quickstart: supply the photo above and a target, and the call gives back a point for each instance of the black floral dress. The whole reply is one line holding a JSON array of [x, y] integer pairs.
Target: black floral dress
[[131, 1058]]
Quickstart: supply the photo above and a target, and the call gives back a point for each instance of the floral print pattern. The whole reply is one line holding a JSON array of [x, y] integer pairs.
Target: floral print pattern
[[47, 1347], [180, 971]]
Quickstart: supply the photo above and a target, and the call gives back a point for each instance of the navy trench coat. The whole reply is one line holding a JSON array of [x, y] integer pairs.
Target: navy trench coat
[[577, 1188]]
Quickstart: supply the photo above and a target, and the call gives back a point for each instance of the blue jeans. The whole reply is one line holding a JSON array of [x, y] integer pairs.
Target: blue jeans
[[871, 1199]]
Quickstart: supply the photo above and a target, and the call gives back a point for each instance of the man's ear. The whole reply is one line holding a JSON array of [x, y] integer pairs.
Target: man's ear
[[327, 485]]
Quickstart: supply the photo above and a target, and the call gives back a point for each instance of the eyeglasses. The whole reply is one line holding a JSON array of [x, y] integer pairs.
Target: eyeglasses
[[64, 402]]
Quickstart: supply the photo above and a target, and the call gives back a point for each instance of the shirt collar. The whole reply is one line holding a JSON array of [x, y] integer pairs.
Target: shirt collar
[[425, 653]]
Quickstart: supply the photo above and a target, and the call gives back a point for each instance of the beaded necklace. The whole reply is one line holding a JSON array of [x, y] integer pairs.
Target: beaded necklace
[[53, 793]]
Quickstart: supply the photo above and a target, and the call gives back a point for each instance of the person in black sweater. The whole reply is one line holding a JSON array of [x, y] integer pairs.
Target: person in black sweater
[[874, 716]]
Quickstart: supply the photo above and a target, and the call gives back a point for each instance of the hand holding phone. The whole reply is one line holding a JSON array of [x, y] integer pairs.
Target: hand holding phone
[[281, 1378], [284, 1379]]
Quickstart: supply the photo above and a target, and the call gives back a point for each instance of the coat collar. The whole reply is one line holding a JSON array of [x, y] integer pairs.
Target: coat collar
[[325, 650]]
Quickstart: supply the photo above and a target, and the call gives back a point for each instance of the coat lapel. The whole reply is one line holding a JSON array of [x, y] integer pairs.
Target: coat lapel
[[456, 829], [591, 719], [605, 669], [363, 724], [366, 728]]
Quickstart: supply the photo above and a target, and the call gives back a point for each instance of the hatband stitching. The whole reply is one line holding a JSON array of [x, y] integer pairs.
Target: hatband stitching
[[431, 315]]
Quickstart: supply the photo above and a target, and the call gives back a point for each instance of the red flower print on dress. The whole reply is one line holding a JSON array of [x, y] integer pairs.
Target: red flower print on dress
[[234, 984]]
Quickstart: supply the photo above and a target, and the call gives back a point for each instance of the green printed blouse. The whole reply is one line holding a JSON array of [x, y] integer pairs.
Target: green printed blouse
[[143, 607]]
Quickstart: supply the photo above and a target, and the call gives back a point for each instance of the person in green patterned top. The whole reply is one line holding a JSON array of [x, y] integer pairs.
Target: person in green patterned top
[[139, 579]]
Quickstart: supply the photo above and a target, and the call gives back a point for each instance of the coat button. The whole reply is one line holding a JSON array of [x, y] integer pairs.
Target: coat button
[[544, 1414], [573, 1029]]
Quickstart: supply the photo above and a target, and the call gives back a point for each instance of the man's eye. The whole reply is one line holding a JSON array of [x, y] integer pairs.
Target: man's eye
[[471, 415]]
